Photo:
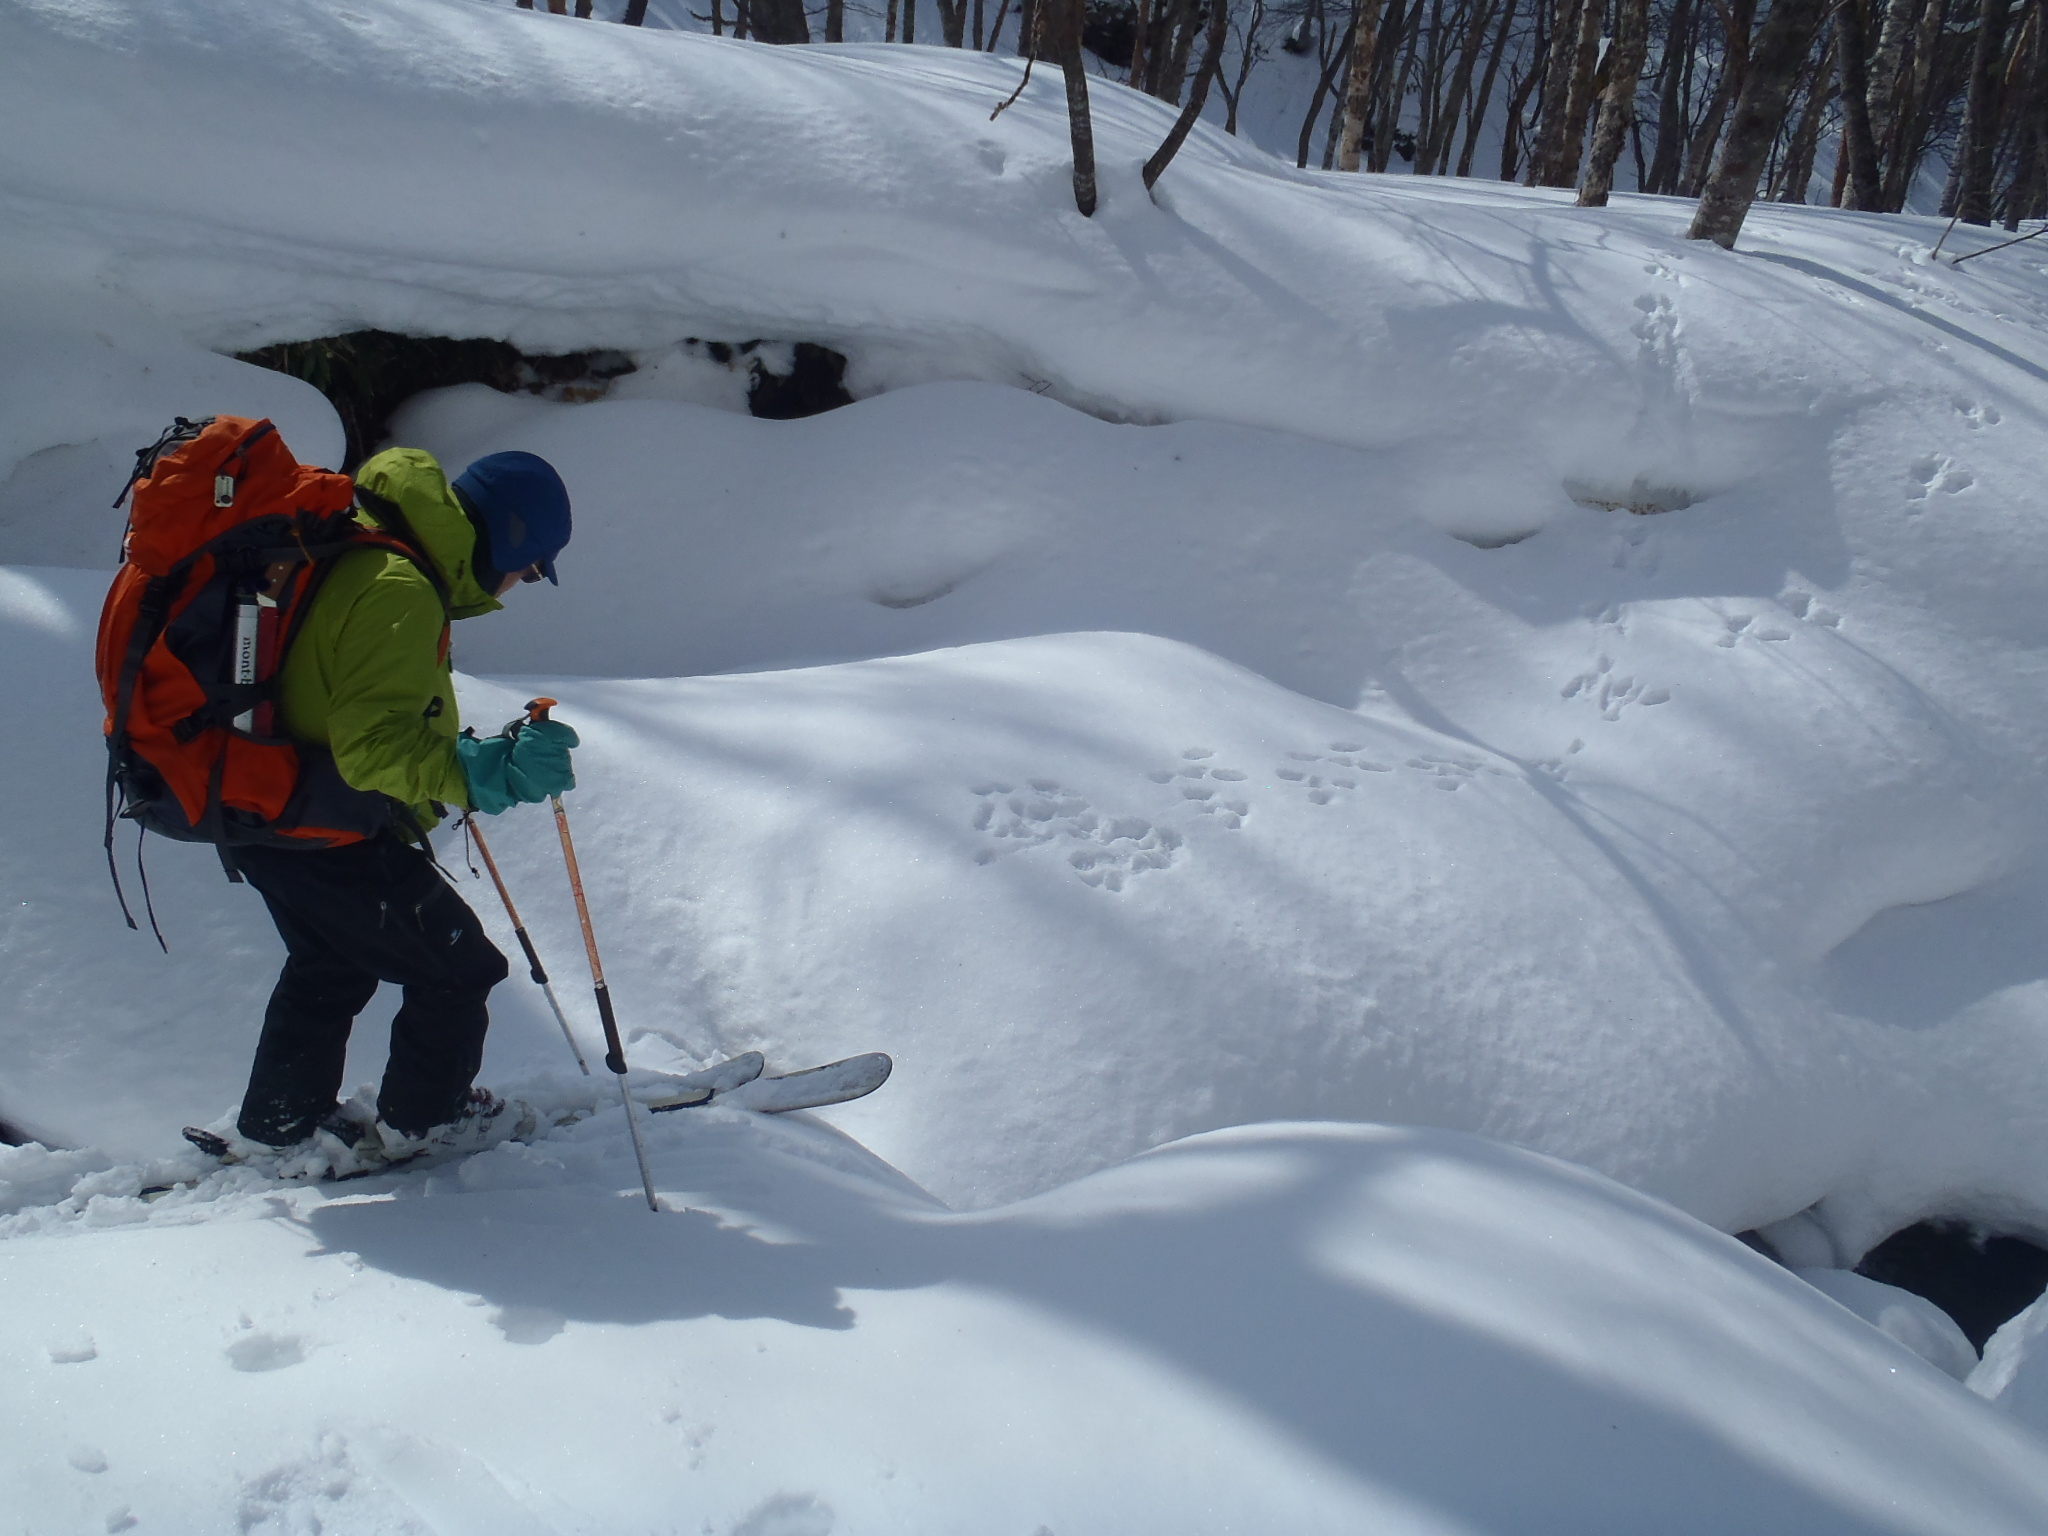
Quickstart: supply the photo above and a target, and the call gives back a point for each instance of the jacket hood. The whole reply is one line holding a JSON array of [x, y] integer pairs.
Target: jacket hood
[[413, 481]]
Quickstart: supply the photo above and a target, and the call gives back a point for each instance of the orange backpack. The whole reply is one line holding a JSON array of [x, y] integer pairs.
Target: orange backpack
[[229, 539]]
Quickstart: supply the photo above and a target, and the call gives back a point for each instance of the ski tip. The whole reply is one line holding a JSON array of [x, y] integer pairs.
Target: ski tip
[[206, 1141]]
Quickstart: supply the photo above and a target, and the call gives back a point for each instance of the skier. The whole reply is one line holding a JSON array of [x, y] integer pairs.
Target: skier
[[369, 678]]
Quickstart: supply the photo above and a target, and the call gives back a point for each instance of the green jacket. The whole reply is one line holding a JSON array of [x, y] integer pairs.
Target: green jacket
[[369, 675]]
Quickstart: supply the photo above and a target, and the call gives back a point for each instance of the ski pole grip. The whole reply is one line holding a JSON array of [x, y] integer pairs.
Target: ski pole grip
[[537, 709], [614, 1054], [532, 957]]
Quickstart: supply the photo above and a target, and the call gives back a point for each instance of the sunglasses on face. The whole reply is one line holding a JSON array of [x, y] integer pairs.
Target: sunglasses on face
[[531, 573]]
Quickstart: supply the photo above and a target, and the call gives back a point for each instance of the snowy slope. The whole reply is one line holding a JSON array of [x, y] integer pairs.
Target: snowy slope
[[2014, 1370], [859, 195], [1705, 769], [1312, 1328], [1211, 677]]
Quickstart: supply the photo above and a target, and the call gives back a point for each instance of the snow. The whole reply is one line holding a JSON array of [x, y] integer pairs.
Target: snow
[[1207, 711], [2014, 1371], [1313, 1328], [1911, 1321]]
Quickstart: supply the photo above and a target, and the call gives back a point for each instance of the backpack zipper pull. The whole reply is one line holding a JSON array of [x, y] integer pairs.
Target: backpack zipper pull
[[223, 490]]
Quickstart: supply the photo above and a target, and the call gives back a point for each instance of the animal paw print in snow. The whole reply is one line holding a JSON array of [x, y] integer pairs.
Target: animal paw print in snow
[[1938, 473], [1104, 851], [1447, 772], [1610, 694], [1976, 417], [1211, 791], [1324, 776]]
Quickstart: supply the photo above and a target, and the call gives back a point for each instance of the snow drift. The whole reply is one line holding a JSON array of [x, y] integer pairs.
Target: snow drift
[[1268, 705], [1316, 1328], [1706, 770]]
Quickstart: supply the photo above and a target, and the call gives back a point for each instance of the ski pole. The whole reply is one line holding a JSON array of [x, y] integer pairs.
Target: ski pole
[[519, 931], [615, 1054]]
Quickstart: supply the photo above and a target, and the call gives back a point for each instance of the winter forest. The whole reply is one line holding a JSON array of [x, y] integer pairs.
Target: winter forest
[[1592, 97], [1121, 767]]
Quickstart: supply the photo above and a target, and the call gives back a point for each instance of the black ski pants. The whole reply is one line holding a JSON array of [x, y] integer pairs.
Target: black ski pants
[[351, 917]]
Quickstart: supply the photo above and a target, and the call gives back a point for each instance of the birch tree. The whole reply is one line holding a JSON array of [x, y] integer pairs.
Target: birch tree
[[1773, 66], [1618, 102]]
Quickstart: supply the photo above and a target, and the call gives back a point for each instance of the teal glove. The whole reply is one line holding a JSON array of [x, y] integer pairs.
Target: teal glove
[[484, 761], [526, 767], [539, 762]]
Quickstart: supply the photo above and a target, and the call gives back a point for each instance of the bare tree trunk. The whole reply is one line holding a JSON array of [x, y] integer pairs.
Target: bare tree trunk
[[1317, 97], [1557, 89], [1663, 172], [2024, 193], [1060, 34], [1365, 36], [1443, 135], [1141, 20], [1432, 61], [1475, 117], [978, 18], [953, 23], [909, 21], [1981, 112], [1245, 60], [1518, 104], [779, 21], [835, 20], [1806, 137], [1734, 68], [1569, 152], [1883, 75], [1212, 61], [636, 12], [1390, 93], [1785, 149], [1781, 45], [1859, 147], [1913, 109], [1173, 78], [1618, 105]]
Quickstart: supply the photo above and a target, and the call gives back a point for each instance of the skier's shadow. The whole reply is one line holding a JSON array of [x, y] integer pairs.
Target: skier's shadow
[[586, 1254]]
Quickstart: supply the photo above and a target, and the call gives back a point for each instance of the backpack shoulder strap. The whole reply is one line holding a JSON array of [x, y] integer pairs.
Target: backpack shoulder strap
[[396, 534]]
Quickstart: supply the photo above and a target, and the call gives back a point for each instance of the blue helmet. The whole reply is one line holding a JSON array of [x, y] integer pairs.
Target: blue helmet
[[523, 506]]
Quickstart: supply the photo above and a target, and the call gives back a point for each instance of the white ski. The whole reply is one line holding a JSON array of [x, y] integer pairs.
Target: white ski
[[834, 1083]]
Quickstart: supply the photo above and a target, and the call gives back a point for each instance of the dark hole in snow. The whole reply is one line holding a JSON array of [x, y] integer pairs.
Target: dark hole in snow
[[366, 375], [12, 1135], [1978, 1277], [913, 597], [1495, 540], [1638, 497], [815, 383]]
